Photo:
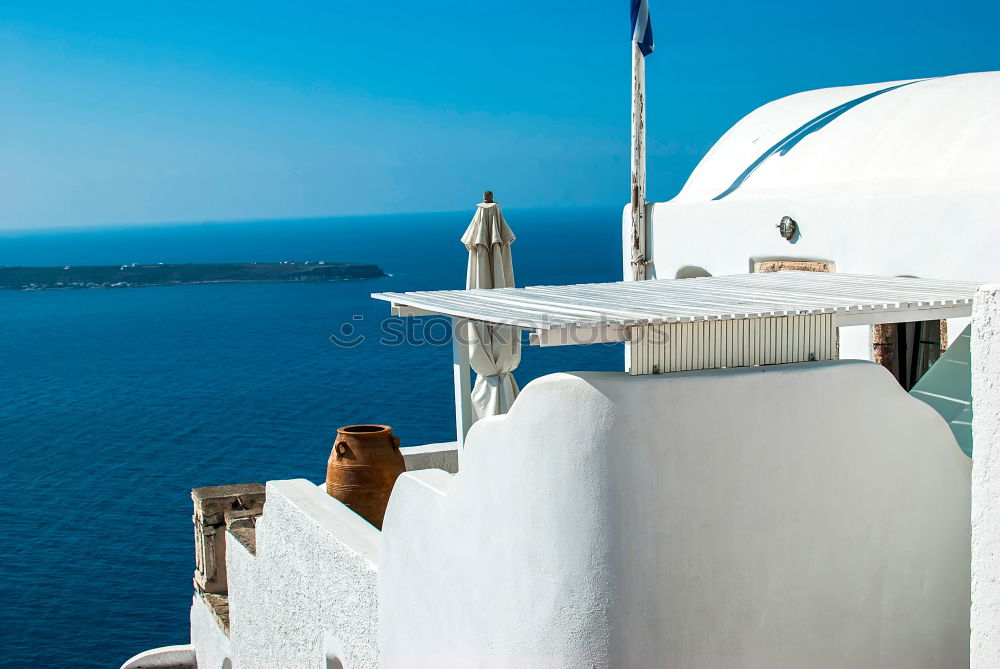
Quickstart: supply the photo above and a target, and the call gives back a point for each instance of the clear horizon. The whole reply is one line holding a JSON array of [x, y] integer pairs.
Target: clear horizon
[[15, 232], [192, 113]]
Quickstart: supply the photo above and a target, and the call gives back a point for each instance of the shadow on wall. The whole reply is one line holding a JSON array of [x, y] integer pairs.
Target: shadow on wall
[[691, 272], [788, 142]]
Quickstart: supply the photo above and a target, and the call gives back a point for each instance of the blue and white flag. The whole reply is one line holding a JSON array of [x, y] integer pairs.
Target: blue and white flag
[[642, 29]]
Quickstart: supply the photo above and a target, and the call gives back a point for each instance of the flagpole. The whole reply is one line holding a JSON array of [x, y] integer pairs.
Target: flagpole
[[637, 229]]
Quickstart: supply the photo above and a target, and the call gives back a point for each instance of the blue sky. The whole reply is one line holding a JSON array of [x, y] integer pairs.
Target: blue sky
[[124, 112]]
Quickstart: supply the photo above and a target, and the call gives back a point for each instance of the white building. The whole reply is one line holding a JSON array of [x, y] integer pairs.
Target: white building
[[810, 514]]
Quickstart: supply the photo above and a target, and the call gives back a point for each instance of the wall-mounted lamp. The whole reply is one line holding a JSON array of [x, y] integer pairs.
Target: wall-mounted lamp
[[787, 227]]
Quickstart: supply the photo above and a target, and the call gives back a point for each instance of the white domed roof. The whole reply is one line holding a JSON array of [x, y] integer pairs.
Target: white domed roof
[[904, 136]]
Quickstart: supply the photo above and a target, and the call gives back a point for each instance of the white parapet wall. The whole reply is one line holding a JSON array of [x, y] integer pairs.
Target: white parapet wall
[[167, 657], [307, 599], [432, 456], [810, 515], [985, 645], [211, 643]]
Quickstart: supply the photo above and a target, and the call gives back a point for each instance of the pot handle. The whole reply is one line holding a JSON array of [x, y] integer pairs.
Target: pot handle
[[340, 448], [395, 442]]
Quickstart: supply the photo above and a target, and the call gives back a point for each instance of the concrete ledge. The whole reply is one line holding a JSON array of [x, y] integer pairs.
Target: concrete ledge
[[417, 491], [165, 657], [432, 456], [219, 606], [429, 481], [330, 514]]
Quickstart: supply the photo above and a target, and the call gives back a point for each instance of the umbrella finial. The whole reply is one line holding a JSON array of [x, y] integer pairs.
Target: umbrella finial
[[488, 196]]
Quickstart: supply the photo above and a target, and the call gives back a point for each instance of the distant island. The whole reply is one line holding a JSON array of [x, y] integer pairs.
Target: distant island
[[127, 276]]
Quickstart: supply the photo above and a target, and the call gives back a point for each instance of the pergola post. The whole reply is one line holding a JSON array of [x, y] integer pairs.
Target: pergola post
[[636, 242], [464, 416]]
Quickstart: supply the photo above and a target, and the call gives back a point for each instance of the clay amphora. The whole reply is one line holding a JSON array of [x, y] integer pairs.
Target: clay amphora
[[362, 469]]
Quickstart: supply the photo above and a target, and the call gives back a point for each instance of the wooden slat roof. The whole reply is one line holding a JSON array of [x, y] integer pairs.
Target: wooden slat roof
[[853, 299]]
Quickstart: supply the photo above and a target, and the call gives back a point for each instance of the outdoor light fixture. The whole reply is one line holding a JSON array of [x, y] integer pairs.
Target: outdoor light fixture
[[787, 227]]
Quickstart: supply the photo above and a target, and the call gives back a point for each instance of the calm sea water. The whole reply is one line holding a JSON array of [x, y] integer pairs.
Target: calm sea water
[[114, 403]]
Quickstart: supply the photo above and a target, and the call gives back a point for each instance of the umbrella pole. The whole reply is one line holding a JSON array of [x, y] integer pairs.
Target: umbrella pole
[[464, 416]]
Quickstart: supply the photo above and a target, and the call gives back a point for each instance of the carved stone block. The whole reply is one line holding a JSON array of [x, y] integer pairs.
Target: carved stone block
[[240, 502]]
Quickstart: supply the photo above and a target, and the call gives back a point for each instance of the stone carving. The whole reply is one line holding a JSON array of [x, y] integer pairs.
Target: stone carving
[[217, 509]]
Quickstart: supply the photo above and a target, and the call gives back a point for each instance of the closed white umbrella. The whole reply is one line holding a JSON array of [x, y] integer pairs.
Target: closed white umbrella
[[494, 351]]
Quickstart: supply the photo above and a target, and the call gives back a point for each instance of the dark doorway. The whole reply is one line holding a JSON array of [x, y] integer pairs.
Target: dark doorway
[[909, 349]]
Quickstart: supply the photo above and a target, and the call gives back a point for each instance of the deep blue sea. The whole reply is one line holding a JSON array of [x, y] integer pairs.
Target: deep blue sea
[[114, 403]]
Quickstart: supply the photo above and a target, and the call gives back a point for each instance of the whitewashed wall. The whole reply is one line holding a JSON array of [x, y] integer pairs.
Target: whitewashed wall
[[904, 183], [166, 657], [798, 516], [212, 646], [310, 591], [986, 480], [308, 596]]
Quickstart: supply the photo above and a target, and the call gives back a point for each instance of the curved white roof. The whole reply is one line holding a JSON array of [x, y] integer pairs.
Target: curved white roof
[[903, 136]]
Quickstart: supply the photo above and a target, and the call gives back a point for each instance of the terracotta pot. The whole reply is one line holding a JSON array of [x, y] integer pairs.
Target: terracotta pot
[[362, 469]]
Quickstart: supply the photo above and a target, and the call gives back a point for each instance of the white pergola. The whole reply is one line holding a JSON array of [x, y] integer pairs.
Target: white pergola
[[690, 324]]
